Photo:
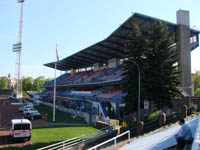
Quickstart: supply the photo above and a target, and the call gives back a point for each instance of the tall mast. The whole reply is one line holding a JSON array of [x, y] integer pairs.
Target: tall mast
[[18, 48]]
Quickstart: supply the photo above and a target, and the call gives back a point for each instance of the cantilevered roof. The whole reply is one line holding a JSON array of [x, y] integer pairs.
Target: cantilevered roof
[[113, 45]]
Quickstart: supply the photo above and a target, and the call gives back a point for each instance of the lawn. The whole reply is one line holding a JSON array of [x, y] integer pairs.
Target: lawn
[[60, 116], [46, 136]]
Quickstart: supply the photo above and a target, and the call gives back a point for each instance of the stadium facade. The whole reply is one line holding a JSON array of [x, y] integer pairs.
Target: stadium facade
[[93, 78]]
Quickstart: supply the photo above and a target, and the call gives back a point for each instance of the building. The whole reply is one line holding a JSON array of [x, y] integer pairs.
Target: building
[[93, 78]]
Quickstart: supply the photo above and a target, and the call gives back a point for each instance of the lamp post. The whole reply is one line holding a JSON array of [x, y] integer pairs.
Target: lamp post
[[132, 61]]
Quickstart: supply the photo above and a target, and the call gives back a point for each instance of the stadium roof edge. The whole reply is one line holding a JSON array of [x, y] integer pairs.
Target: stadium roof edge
[[112, 46]]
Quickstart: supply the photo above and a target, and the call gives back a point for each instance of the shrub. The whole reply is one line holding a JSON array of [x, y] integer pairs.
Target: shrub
[[155, 115]]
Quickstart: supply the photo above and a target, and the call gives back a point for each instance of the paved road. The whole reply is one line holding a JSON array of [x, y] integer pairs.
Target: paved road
[[8, 112]]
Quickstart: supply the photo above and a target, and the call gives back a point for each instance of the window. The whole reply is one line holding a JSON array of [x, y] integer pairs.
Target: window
[[21, 126]]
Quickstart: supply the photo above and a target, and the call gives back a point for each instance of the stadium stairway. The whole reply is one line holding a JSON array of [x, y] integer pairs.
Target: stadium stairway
[[103, 109]]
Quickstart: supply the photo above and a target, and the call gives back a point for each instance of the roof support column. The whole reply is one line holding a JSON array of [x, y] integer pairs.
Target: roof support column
[[183, 46]]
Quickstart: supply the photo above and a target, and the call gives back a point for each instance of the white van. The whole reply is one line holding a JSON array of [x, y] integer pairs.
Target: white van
[[20, 129]]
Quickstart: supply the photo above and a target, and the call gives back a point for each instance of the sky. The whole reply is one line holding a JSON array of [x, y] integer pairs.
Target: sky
[[74, 25]]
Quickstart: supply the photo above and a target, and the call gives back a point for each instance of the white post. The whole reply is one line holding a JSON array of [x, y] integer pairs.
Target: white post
[[54, 94], [115, 145], [129, 137]]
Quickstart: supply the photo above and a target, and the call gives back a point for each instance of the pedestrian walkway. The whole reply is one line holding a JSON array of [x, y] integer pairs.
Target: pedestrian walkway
[[160, 140]]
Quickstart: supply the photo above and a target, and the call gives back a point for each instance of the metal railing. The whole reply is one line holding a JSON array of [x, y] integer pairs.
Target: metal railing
[[98, 133], [76, 141], [196, 141], [65, 144], [115, 141]]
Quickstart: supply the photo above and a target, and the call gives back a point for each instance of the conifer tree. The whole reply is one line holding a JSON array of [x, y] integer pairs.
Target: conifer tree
[[156, 55]]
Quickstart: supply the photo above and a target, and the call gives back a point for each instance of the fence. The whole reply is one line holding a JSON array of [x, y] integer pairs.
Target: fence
[[196, 141], [115, 141], [66, 144], [77, 140], [70, 111]]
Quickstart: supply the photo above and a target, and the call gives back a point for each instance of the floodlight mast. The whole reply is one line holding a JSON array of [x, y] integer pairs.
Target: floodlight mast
[[18, 48]]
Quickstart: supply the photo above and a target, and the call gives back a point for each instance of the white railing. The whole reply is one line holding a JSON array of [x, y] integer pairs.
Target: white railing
[[196, 141], [76, 141], [65, 144], [115, 141]]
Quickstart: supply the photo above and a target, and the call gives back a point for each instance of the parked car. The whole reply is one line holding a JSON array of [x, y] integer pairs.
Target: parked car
[[21, 108], [28, 110], [29, 104], [34, 115], [19, 118]]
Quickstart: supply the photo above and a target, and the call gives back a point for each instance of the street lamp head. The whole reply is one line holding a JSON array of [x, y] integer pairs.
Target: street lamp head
[[20, 1]]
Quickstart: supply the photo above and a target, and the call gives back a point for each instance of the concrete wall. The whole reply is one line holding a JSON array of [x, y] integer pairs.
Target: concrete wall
[[183, 17], [96, 66], [112, 63], [183, 46]]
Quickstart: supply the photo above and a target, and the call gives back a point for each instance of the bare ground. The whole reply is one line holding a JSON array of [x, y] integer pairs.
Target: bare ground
[[8, 112]]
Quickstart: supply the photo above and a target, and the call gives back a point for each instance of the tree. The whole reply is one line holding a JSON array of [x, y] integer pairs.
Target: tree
[[3, 83], [47, 80], [197, 92], [135, 48], [27, 84], [196, 80], [157, 59], [161, 74], [38, 82]]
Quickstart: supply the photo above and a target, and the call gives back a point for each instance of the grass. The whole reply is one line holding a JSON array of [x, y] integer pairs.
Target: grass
[[46, 136], [60, 116]]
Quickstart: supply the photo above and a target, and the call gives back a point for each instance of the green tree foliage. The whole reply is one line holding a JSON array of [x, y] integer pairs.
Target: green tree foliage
[[27, 84], [161, 74], [196, 80], [156, 57], [47, 80], [3, 83], [38, 82], [135, 48], [197, 92]]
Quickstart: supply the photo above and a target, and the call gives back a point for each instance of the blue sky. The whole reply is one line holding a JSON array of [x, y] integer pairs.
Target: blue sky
[[74, 25]]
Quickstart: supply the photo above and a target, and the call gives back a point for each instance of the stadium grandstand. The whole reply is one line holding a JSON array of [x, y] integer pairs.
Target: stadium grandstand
[[6, 93], [93, 79]]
